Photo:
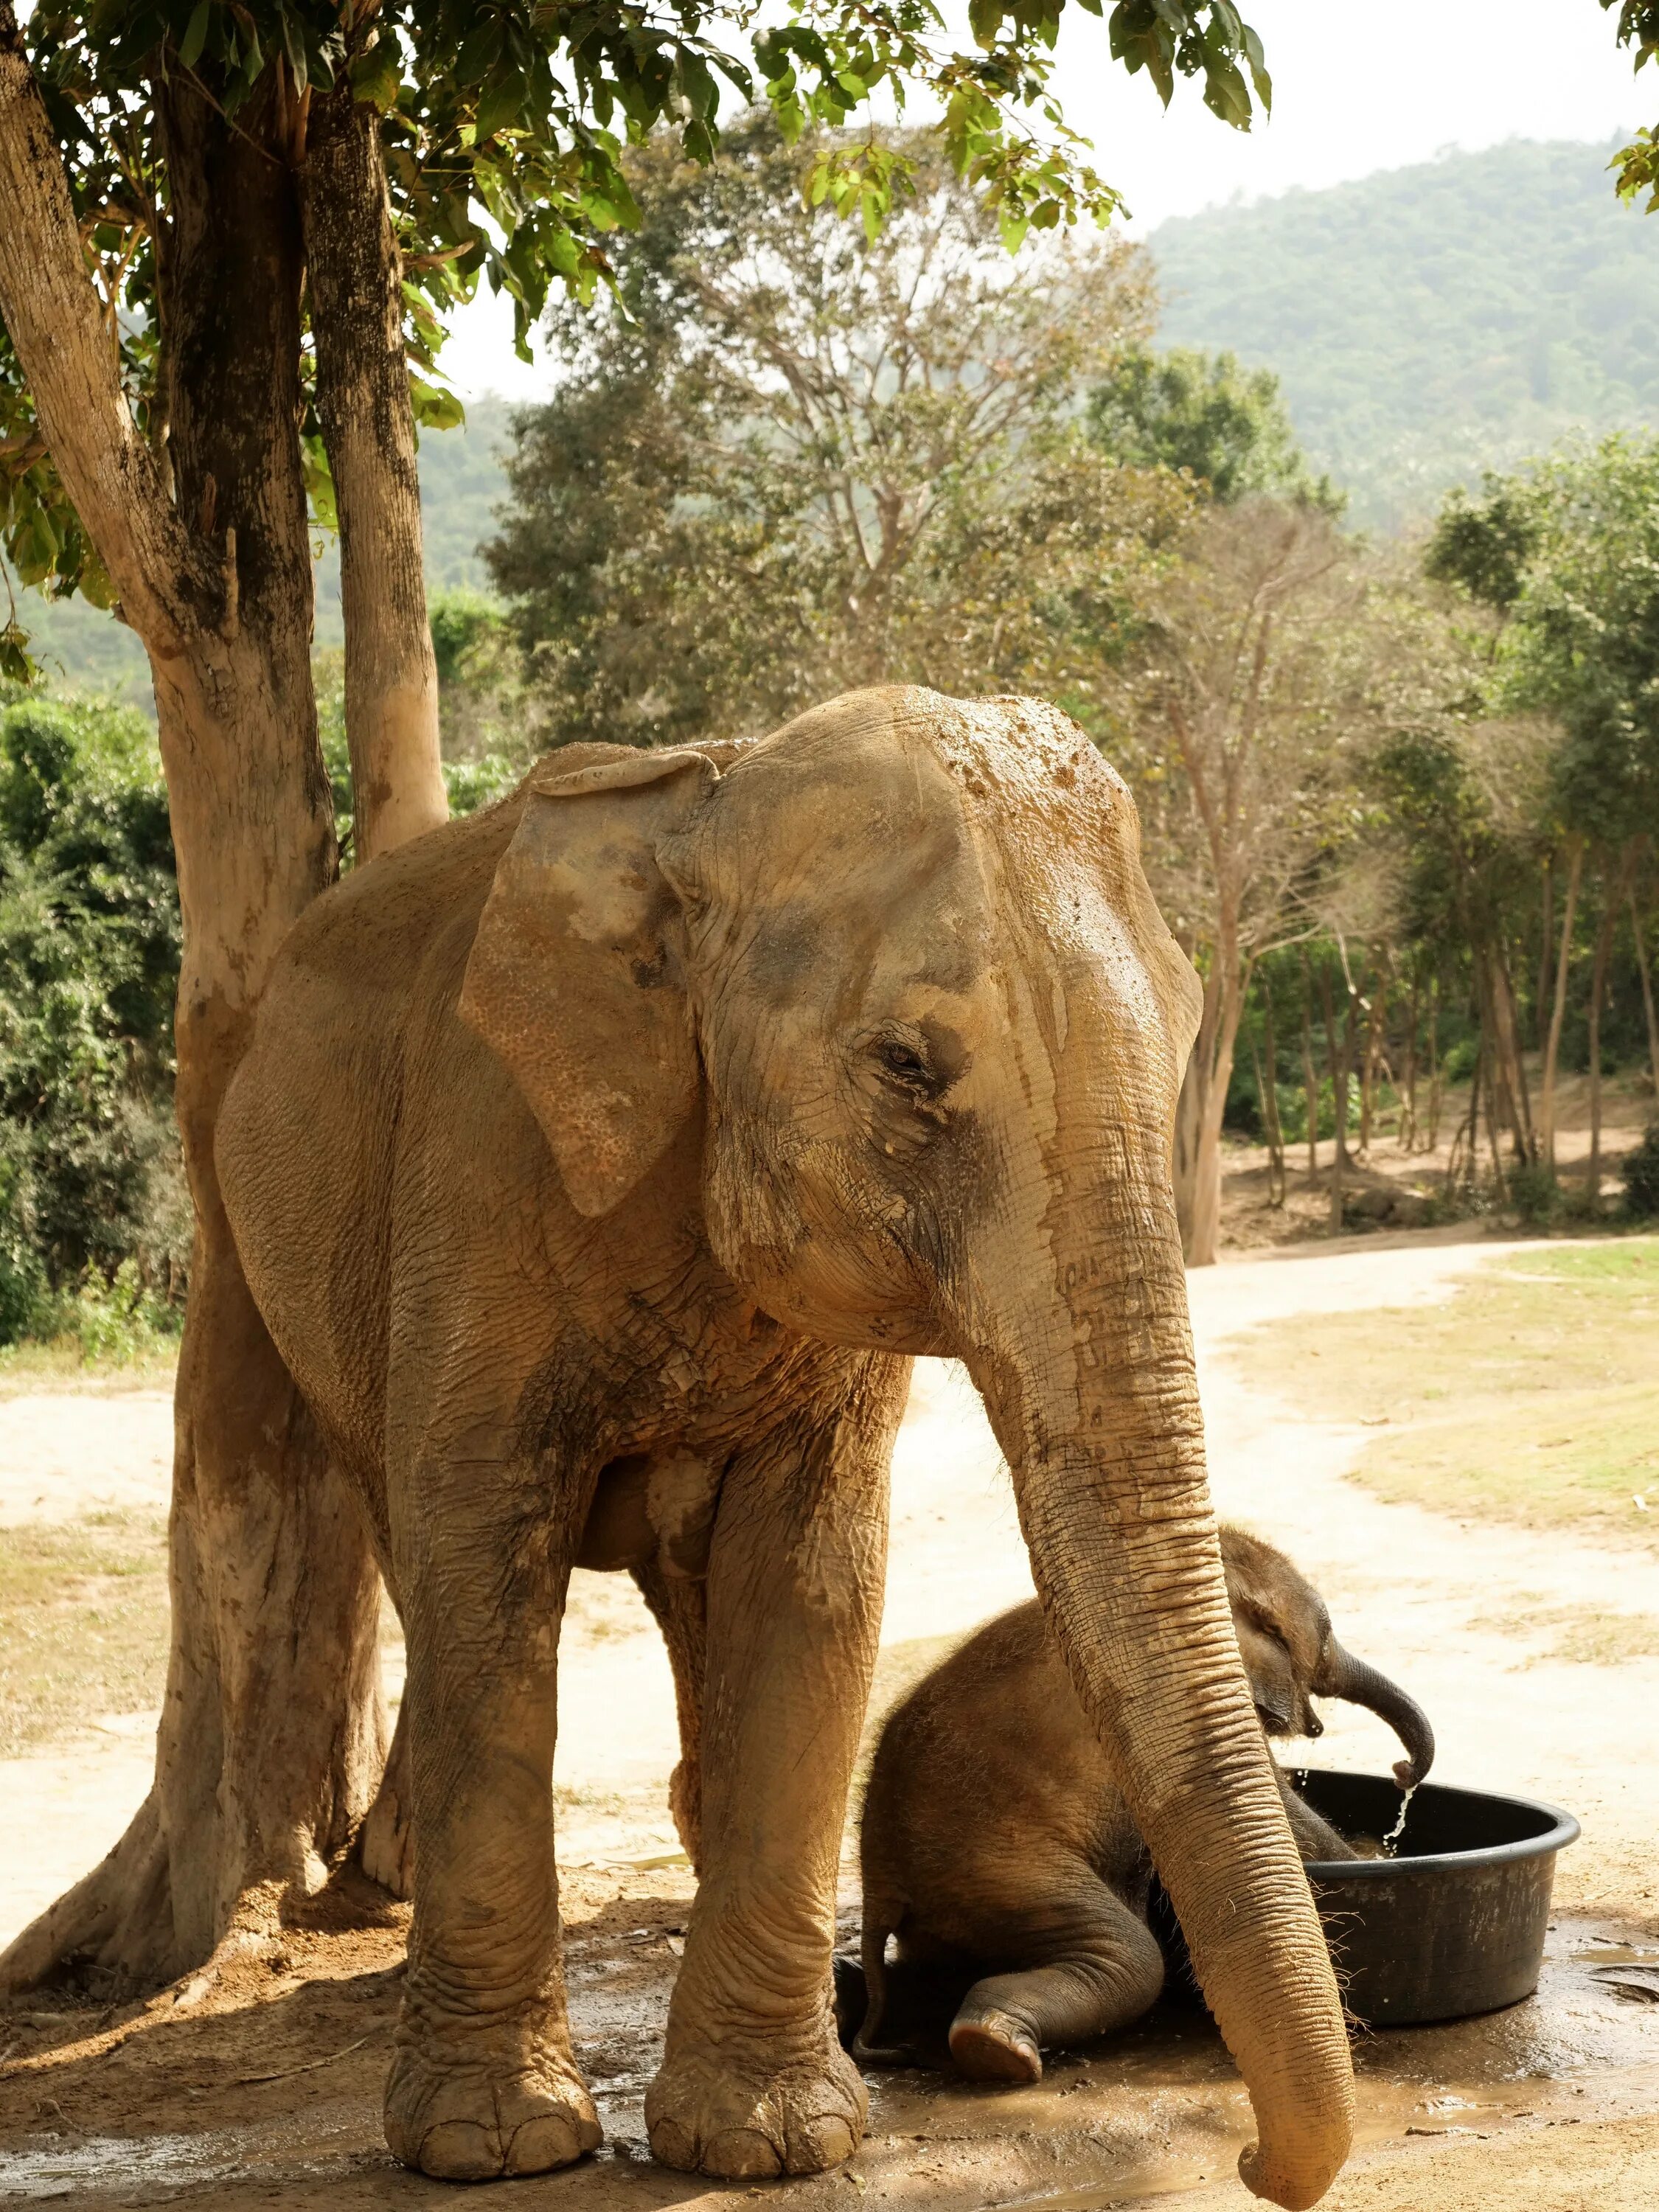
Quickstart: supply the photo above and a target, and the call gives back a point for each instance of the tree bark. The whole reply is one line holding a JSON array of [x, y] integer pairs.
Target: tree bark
[[1645, 972], [272, 1732], [1612, 895], [355, 275], [1436, 1079], [1341, 1067], [1547, 945], [1407, 1137], [1310, 1080], [1212, 1058], [1558, 1011], [1270, 1096]]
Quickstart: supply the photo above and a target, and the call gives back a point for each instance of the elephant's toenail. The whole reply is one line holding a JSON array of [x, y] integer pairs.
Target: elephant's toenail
[[673, 2145], [740, 2155], [460, 2150], [825, 2142], [539, 2145]]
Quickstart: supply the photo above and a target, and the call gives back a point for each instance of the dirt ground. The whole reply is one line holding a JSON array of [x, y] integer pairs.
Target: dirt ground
[[261, 2090]]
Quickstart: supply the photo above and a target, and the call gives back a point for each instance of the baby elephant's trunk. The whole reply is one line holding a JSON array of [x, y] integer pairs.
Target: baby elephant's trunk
[[1344, 1676]]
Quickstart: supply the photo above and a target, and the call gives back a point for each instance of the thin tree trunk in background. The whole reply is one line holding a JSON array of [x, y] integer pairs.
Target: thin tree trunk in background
[[1546, 947], [1466, 1139], [1493, 1059], [1341, 1063], [1558, 1011], [1368, 1061], [1218, 1040], [1509, 1020], [272, 1729], [355, 275], [1645, 972], [1310, 1081], [1407, 1136], [1435, 1080], [1270, 1101], [1598, 991]]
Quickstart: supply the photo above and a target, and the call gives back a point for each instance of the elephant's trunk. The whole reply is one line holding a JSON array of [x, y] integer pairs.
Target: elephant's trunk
[[1088, 1376], [1344, 1676]]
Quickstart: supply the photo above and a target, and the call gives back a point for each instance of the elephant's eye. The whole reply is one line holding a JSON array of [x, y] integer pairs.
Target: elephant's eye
[[904, 1063]]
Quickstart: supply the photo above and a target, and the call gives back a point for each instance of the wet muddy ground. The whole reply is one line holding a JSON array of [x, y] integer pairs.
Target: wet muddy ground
[[262, 2089], [269, 2094]]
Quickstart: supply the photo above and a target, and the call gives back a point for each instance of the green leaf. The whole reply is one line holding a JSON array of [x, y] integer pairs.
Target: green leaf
[[16, 663], [434, 407], [377, 75], [195, 31], [501, 102]]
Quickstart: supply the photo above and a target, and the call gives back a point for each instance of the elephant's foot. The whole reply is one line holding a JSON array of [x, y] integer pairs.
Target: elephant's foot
[[472, 2121], [741, 2123], [994, 2046]]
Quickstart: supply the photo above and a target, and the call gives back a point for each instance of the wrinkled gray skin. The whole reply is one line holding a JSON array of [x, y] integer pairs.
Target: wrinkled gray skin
[[634, 1133], [995, 1836]]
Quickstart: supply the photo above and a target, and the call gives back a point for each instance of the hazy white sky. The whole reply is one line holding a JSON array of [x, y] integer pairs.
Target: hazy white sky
[[1347, 101]]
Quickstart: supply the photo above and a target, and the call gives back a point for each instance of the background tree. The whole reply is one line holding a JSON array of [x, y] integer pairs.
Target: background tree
[[1240, 711], [1225, 426], [1567, 556], [790, 462]]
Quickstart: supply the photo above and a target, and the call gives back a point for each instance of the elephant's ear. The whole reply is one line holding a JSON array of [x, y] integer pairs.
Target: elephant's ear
[[576, 978]]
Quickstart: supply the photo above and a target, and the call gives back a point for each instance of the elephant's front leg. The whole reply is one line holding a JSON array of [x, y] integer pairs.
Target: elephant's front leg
[[482, 2079], [754, 2081]]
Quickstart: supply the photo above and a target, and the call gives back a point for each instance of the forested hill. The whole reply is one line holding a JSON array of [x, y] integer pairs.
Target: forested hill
[[1431, 321]]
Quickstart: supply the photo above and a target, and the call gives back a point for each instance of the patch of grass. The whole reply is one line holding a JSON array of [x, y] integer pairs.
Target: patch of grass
[[63, 1365], [1577, 1634], [83, 1624], [1532, 1394]]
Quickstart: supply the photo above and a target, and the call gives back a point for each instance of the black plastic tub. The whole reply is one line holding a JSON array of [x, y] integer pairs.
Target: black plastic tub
[[1454, 1922]]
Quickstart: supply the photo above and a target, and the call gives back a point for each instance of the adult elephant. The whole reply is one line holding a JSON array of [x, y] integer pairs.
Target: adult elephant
[[651, 1120]]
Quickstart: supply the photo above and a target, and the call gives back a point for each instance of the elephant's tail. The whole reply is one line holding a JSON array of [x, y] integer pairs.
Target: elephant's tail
[[872, 1956]]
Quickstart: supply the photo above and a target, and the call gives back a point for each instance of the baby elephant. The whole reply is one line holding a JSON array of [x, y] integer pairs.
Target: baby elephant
[[994, 1838]]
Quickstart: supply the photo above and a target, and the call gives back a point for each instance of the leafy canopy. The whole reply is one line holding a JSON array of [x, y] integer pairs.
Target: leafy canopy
[[1637, 164], [797, 462], [1225, 425], [504, 126], [1568, 550]]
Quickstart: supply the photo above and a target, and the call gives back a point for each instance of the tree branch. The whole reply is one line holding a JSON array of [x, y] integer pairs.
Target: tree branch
[[56, 323]]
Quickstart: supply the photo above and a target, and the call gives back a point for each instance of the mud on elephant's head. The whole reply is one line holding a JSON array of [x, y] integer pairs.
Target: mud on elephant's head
[[902, 958]]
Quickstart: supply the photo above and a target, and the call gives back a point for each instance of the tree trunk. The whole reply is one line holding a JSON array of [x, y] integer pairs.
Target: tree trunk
[[1341, 1067], [1407, 1139], [1547, 945], [1509, 1025], [1645, 972], [1612, 892], [1310, 1080], [1270, 1096], [1368, 1062], [1558, 1011], [1213, 1054], [1436, 1085], [355, 275], [272, 1732]]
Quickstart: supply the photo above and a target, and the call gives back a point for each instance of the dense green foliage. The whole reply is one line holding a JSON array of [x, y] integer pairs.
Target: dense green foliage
[[800, 462], [503, 131], [94, 1219], [88, 967], [1226, 425], [1431, 321]]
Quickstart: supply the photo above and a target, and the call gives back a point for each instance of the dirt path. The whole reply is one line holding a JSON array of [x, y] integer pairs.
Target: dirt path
[[165, 2103]]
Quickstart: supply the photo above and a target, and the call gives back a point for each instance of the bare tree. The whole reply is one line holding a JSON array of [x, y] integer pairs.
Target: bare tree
[[1242, 711]]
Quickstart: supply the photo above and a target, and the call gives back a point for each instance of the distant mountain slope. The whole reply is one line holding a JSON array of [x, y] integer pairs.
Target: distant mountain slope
[[1431, 321], [460, 485]]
